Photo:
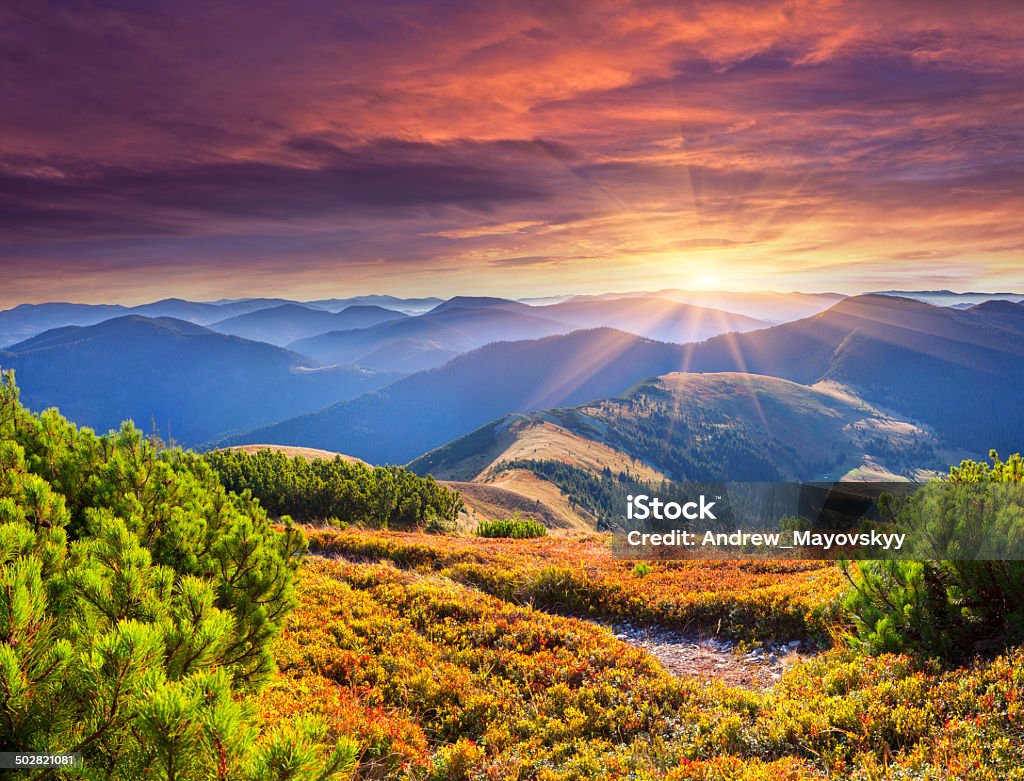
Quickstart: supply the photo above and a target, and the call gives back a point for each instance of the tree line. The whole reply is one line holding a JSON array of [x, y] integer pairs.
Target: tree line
[[383, 497]]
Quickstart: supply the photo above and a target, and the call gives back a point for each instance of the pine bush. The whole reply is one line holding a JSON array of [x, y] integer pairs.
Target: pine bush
[[138, 601]]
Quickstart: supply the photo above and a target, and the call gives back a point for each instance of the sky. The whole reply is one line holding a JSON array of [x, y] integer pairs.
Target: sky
[[306, 148]]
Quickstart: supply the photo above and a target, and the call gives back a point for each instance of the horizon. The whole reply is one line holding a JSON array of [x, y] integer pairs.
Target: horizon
[[522, 299], [176, 150]]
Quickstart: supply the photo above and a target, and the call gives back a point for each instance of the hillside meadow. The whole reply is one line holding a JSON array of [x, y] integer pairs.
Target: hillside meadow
[[577, 576], [459, 660]]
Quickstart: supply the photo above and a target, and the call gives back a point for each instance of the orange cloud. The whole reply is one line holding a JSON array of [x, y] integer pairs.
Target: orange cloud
[[526, 147]]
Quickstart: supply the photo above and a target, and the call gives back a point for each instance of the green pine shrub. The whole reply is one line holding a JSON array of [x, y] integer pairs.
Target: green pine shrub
[[316, 490], [514, 527], [138, 601], [949, 609], [641, 569]]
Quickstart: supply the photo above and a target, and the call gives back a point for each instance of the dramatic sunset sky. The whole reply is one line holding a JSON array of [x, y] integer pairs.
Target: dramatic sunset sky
[[151, 148]]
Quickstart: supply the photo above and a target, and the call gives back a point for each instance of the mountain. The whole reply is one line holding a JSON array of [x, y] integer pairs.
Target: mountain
[[544, 300], [179, 309], [27, 320], [407, 345], [769, 306], [429, 408], [955, 370], [236, 307], [286, 323], [408, 306], [565, 435], [196, 384], [490, 323], [205, 313], [464, 323], [951, 298], [685, 426], [1000, 313], [481, 302], [944, 368], [703, 427], [432, 339], [655, 318]]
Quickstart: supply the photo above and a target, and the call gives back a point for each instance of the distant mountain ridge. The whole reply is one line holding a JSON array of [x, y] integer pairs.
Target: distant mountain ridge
[[951, 298], [770, 306], [406, 305], [464, 323], [478, 319], [1004, 314], [200, 384], [653, 318], [481, 302], [429, 408], [912, 293], [287, 323], [957, 371], [27, 320]]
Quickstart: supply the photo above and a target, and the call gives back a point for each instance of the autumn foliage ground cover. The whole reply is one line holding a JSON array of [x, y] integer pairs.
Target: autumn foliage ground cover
[[749, 600], [440, 658]]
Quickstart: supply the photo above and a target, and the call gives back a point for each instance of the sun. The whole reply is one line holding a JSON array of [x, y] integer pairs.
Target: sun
[[705, 280]]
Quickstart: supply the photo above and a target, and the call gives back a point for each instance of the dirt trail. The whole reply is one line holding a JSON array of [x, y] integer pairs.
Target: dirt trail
[[713, 658]]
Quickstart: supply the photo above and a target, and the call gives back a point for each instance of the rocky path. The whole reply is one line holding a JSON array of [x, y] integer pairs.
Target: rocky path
[[713, 658]]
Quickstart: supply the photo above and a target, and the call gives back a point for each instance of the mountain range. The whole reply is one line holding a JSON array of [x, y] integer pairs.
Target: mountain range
[[195, 384], [426, 409], [922, 364], [951, 298], [689, 426], [465, 323], [27, 320], [725, 392], [771, 307], [958, 371], [431, 339], [203, 385], [288, 322]]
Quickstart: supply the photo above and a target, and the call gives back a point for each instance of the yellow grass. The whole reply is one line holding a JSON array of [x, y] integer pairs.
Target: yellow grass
[[308, 453]]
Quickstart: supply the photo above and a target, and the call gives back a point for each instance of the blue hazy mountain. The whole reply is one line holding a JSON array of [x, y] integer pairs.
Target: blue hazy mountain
[[427, 409], [958, 373], [465, 323], [286, 323], [194, 383]]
